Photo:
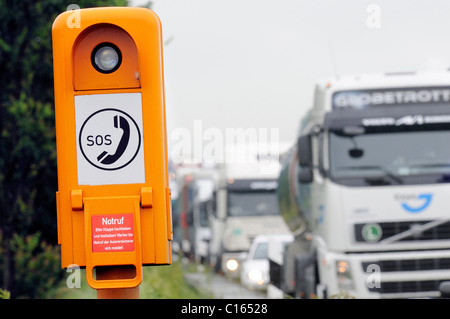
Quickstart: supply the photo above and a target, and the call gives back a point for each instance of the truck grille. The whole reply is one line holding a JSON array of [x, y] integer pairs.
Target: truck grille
[[397, 287], [408, 265], [390, 229]]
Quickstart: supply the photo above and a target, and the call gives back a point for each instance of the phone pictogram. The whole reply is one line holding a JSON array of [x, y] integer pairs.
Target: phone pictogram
[[109, 139], [119, 123]]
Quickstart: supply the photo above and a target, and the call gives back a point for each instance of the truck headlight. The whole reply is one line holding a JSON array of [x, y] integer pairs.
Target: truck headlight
[[232, 264], [344, 274]]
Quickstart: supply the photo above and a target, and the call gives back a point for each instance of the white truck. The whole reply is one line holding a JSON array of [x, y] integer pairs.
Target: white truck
[[193, 189], [245, 206], [366, 189], [203, 183]]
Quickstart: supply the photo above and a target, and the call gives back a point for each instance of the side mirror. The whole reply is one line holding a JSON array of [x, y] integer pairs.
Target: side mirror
[[190, 216], [221, 202], [304, 151]]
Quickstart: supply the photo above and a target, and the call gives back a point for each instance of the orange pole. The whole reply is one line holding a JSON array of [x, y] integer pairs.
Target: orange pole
[[117, 272]]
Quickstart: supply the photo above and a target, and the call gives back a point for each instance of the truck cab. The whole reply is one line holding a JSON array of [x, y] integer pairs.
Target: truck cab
[[245, 206], [370, 177]]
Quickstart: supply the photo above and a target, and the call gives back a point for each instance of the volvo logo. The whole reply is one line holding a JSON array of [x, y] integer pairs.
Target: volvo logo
[[414, 203], [416, 230]]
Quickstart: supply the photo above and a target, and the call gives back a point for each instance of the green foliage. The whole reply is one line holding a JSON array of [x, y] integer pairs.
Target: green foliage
[[167, 282], [38, 266], [4, 294], [28, 179], [160, 282], [28, 173]]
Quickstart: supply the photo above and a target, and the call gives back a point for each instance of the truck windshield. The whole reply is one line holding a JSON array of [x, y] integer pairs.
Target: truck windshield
[[252, 204], [389, 158]]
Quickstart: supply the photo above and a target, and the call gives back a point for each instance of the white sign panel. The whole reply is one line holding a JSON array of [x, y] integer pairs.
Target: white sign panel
[[109, 139]]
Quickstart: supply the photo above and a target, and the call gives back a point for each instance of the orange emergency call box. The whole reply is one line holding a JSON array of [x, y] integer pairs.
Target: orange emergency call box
[[113, 199]]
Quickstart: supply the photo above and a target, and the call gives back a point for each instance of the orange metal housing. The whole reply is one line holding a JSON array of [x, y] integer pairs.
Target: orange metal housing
[[137, 33]]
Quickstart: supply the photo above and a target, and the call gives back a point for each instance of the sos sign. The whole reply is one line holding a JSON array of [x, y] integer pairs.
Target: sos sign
[[109, 130]]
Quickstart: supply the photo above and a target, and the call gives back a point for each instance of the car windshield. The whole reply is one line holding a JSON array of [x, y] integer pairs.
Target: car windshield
[[252, 203], [260, 251], [387, 158]]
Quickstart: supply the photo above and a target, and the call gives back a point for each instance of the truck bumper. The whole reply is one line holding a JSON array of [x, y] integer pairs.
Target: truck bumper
[[406, 274]]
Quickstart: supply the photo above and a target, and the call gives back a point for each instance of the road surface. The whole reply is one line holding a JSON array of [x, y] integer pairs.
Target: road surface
[[221, 288]]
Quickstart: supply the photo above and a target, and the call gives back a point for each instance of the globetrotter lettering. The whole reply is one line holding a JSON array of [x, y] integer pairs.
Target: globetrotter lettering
[[112, 233], [401, 96]]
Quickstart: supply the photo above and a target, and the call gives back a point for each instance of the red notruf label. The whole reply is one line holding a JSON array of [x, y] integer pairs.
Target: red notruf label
[[112, 233]]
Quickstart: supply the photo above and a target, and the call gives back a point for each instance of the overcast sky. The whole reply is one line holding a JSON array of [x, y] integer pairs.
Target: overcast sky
[[253, 63]]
